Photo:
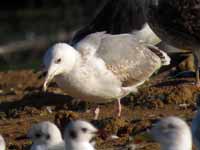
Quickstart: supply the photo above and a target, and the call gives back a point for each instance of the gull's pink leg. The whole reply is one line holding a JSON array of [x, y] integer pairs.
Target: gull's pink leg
[[96, 112], [119, 107]]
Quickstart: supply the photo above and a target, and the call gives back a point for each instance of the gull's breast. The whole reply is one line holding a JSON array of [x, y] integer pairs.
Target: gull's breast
[[91, 84]]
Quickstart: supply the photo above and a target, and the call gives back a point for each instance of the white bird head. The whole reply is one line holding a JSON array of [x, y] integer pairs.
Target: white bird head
[[45, 133], [2, 143], [58, 60], [172, 133], [79, 131]]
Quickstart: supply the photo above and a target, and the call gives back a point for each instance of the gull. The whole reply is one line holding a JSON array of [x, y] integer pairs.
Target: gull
[[45, 135], [102, 67], [196, 123], [173, 134], [2, 143], [78, 134]]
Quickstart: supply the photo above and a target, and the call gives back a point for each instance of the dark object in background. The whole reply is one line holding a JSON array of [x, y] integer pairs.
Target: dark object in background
[[125, 16], [178, 23], [115, 17]]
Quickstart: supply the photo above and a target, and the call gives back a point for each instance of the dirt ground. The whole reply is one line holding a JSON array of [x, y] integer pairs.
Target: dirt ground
[[23, 103]]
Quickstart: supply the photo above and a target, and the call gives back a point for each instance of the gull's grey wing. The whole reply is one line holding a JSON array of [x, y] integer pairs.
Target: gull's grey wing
[[90, 43], [131, 61]]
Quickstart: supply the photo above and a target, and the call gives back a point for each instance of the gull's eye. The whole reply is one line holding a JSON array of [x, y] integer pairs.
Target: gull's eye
[[47, 136], [38, 135], [73, 134], [58, 61], [171, 126], [84, 129]]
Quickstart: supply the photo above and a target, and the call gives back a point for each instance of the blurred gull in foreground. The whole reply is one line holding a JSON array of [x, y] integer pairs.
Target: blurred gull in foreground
[[45, 136], [102, 67], [2, 143], [173, 134], [196, 123], [78, 135]]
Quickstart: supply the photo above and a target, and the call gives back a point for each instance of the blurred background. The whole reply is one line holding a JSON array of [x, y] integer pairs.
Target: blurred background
[[29, 27]]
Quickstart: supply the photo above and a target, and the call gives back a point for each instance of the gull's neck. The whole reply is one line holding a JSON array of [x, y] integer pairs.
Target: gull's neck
[[76, 60], [75, 145]]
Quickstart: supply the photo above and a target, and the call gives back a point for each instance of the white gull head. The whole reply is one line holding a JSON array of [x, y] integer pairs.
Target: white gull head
[[59, 59], [44, 134], [173, 134], [78, 135]]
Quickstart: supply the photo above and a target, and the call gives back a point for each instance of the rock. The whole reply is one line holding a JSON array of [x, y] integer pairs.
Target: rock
[[187, 64]]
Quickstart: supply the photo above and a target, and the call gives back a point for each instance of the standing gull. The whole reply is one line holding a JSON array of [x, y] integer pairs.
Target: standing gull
[[45, 135], [173, 134], [102, 67]]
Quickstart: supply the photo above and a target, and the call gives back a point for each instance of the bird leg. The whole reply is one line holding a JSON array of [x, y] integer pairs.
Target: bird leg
[[96, 112], [119, 107], [197, 64]]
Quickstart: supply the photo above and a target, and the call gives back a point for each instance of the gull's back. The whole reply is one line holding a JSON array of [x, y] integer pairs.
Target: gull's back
[[130, 60], [90, 44]]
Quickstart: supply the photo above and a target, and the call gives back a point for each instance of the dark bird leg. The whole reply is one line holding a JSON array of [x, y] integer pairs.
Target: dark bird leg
[[196, 54]]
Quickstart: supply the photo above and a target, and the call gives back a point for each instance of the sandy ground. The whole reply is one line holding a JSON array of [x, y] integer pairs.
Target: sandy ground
[[23, 103]]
